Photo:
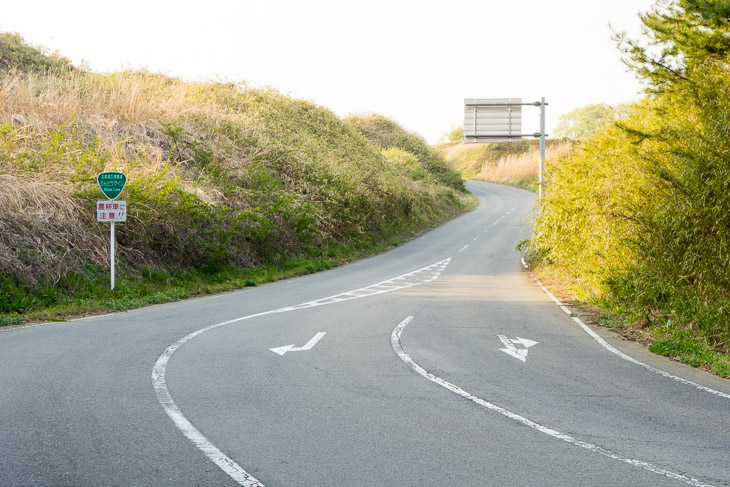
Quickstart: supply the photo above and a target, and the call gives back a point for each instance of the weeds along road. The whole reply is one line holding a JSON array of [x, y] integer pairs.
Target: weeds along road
[[438, 363]]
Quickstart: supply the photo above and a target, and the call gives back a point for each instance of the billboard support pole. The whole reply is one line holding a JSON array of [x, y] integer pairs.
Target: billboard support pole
[[542, 148]]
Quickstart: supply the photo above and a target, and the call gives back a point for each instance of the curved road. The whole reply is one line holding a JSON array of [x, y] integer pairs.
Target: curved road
[[438, 363]]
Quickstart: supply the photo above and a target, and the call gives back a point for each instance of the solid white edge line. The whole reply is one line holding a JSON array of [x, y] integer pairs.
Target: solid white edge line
[[159, 371], [619, 353], [395, 341], [159, 383]]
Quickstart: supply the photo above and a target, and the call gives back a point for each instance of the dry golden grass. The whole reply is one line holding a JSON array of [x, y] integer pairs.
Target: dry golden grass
[[513, 164], [37, 218], [124, 113], [520, 167], [103, 100], [218, 173]]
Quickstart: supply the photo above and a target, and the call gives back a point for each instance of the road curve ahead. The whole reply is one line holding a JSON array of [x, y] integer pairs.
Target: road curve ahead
[[438, 363]]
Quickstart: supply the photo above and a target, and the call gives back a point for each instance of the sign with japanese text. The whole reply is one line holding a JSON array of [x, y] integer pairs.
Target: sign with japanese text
[[111, 211], [111, 183]]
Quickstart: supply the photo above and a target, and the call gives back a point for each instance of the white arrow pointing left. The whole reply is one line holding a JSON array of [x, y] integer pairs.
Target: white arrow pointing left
[[291, 348]]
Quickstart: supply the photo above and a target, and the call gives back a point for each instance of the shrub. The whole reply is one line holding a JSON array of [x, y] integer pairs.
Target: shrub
[[639, 215], [17, 54], [219, 176], [386, 134]]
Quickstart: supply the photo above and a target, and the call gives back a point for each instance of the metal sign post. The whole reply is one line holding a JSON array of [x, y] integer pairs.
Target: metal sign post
[[111, 184], [111, 254], [498, 120], [111, 211], [541, 181]]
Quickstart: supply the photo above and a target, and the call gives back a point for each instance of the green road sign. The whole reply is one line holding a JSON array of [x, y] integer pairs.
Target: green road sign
[[111, 183]]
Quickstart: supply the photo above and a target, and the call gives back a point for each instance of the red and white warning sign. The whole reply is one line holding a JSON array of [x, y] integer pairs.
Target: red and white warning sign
[[111, 211]]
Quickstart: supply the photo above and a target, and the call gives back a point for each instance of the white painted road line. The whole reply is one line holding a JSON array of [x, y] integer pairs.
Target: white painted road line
[[395, 341], [291, 348], [463, 248], [159, 372], [619, 353], [159, 382]]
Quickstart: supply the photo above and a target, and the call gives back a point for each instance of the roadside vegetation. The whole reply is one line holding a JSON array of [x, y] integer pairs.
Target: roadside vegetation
[[638, 219], [228, 186], [514, 164], [581, 123]]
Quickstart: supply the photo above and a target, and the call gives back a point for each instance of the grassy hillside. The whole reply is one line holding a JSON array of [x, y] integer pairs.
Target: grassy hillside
[[228, 185], [514, 164], [387, 135], [17, 54]]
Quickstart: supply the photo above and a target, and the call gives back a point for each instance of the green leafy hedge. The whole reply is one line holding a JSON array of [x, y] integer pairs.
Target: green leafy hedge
[[640, 216]]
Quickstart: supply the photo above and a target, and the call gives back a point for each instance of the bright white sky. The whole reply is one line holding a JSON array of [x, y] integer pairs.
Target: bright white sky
[[412, 60]]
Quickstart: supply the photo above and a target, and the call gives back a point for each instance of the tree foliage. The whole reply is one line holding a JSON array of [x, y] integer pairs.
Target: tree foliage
[[580, 123], [680, 37], [641, 215], [456, 135]]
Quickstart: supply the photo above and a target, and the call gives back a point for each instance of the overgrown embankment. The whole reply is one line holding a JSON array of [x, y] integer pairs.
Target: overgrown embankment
[[515, 164], [228, 185], [639, 217]]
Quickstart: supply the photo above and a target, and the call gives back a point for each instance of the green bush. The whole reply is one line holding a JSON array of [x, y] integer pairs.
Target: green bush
[[640, 216], [16, 53], [386, 134], [221, 179]]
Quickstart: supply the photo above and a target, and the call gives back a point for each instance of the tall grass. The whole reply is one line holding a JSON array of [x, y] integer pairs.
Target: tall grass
[[386, 134], [512, 164], [219, 176]]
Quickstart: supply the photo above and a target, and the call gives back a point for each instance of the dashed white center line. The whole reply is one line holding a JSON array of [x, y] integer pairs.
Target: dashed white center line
[[463, 248]]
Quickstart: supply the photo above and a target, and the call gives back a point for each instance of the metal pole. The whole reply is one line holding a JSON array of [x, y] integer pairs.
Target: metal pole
[[112, 254], [475, 119], [542, 148]]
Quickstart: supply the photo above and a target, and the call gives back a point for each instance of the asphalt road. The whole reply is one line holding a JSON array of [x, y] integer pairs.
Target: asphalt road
[[439, 363]]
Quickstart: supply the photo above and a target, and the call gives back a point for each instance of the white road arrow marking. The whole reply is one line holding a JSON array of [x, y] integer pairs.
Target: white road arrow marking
[[524, 341], [395, 341], [291, 348], [518, 353]]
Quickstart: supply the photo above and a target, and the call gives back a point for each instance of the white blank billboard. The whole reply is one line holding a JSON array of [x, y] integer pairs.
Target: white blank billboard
[[492, 120]]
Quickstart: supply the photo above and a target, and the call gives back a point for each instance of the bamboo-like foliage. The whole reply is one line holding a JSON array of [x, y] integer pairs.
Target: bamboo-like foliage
[[640, 217]]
